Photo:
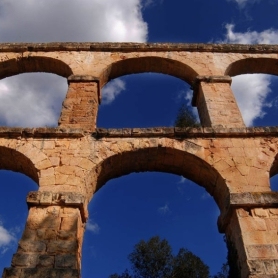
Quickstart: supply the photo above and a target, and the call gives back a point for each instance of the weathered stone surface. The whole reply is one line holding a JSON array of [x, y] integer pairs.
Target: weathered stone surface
[[24, 260], [11, 272], [66, 261], [74, 160]]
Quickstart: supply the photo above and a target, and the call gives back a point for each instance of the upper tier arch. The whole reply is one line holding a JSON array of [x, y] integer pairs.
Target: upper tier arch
[[148, 64], [253, 65], [34, 64]]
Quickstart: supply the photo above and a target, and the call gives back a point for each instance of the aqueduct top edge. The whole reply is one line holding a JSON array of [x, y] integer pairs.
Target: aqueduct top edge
[[167, 132], [123, 47]]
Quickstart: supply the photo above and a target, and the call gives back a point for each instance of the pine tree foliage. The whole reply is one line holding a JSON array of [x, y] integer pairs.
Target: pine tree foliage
[[185, 118], [154, 259]]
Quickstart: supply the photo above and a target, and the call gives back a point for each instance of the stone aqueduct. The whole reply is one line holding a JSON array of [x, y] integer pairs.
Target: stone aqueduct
[[71, 162]]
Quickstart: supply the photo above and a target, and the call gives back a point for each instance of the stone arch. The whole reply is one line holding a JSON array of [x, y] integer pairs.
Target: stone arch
[[273, 171], [16, 161], [162, 159], [274, 167], [148, 64], [253, 65], [34, 64]]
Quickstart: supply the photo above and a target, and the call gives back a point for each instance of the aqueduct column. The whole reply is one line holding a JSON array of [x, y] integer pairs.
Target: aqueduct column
[[216, 102], [51, 243], [250, 224], [80, 106]]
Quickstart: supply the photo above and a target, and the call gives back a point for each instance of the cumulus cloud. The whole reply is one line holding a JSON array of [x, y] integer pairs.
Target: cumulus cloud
[[31, 99], [71, 20], [182, 180], [111, 90], [164, 209], [24, 100], [6, 238], [186, 95], [92, 227], [205, 196], [269, 36], [251, 90], [243, 3], [149, 3]]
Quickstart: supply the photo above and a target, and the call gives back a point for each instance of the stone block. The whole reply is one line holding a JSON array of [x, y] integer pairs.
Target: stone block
[[45, 261], [243, 212], [270, 267], [252, 224], [259, 212], [256, 267], [47, 234], [66, 261], [67, 235], [46, 198], [33, 197], [32, 246], [32, 272], [44, 164], [62, 246], [24, 260], [262, 251], [69, 223], [11, 272]]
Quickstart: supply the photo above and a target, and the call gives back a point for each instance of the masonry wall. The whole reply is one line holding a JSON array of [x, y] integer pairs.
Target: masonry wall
[[71, 162]]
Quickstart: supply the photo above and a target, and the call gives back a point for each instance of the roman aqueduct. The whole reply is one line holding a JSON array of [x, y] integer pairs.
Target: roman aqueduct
[[71, 162]]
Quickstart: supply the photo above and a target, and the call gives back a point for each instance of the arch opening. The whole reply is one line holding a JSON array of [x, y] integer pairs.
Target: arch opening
[[15, 161], [13, 211], [256, 96], [148, 64], [34, 64], [255, 84], [32, 99], [143, 100], [160, 159], [141, 205], [273, 175], [253, 65]]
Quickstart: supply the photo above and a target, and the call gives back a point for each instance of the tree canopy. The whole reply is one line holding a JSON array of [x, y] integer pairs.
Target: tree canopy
[[185, 118], [154, 259]]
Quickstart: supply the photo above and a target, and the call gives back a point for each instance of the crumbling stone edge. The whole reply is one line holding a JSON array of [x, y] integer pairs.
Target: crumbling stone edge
[[170, 132], [247, 200], [66, 199]]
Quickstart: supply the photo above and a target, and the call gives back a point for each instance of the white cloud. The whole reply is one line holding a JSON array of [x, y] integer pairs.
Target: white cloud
[[111, 90], [243, 3], [71, 20], [269, 36], [92, 227], [187, 96], [205, 196], [182, 180], [164, 209], [31, 99], [149, 3], [251, 90], [23, 101], [6, 239]]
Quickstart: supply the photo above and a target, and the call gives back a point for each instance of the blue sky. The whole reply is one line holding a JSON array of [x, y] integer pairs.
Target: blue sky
[[136, 206]]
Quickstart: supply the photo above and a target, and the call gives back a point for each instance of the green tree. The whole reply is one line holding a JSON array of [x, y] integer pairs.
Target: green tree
[[154, 259], [185, 118], [186, 264], [224, 273]]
